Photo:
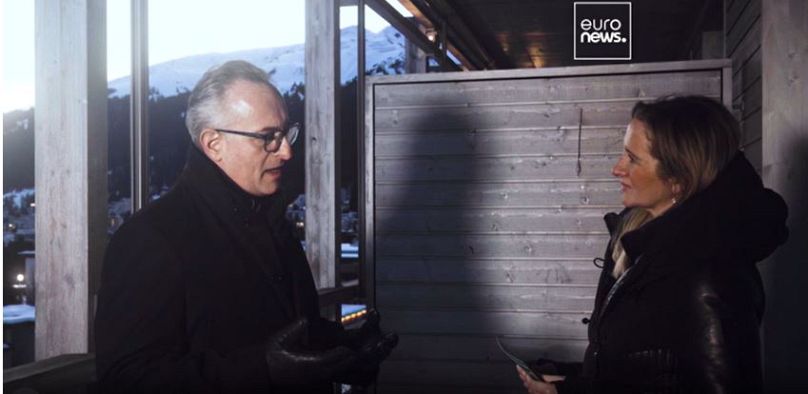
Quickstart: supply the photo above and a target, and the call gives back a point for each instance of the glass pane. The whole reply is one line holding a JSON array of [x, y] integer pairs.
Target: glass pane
[[385, 54], [269, 34], [18, 182], [119, 72]]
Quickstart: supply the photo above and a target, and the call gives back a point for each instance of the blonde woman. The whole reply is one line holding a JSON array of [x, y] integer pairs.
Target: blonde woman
[[680, 300]]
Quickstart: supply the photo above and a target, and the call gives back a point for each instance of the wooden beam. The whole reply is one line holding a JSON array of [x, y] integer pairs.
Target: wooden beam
[[464, 39], [411, 32], [360, 132], [73, 372], [71, 170], [367, 211], [322, 150]]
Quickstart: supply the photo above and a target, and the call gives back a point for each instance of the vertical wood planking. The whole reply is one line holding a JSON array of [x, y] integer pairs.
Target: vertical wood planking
[[71, 171], [481, 226], [322, 149]]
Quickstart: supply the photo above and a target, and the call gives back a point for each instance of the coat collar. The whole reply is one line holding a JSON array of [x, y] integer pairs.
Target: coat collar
[[235, 209], [218, 190], [735, 212], [733, 220]]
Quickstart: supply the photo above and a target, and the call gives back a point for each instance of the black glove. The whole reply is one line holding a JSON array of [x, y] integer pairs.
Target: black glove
[[290, 364], [372, 347]]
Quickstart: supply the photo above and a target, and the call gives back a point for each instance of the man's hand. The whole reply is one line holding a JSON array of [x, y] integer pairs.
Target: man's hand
[[289, 364], [372, 346]]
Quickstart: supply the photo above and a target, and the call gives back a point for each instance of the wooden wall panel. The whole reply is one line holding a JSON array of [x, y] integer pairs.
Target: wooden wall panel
[[630, 88], [522, 219], [740, 25], [481, 348], [483, 225], [743, 32], [785, 170], [471, 353], [526, 140], [493, 244], [481, 375], [485, 296], [498, 117], [437, 270], [536, 322], [501, 167]]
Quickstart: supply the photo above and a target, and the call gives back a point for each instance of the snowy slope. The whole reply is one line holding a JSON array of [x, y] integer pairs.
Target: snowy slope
[[176, 76]]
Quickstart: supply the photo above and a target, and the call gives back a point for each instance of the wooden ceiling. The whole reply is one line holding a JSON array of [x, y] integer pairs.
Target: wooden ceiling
[[501, 34]]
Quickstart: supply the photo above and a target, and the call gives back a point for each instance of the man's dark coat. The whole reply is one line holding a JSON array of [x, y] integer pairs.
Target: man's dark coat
[[194, 284]]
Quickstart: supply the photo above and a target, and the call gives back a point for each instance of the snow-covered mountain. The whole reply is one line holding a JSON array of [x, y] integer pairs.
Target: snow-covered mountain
[[384, 49]]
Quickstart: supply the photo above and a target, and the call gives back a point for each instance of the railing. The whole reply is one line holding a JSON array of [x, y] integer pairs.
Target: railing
[[68, 373]]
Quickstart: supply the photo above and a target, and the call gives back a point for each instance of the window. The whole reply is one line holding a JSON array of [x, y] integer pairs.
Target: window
[[119, 86], [18, 181], [385, 54]]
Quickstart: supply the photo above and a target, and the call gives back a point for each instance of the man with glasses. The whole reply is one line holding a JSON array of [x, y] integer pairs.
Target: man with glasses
[[206, 289]]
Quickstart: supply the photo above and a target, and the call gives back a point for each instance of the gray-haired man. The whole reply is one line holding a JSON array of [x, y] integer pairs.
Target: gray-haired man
[[207, 290]]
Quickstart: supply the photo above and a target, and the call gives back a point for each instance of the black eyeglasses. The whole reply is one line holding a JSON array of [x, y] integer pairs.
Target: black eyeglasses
[[273, 138]]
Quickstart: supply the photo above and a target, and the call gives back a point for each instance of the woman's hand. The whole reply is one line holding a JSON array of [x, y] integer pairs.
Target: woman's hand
[[537, 387]]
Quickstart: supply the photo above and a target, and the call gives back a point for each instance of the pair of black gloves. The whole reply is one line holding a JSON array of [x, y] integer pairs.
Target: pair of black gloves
[[350, 356]]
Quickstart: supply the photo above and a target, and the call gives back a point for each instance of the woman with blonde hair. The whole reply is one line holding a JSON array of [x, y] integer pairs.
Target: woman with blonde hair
[[680, 300]]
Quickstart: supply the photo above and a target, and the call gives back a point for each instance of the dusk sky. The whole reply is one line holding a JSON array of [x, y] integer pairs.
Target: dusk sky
[[177, 28]]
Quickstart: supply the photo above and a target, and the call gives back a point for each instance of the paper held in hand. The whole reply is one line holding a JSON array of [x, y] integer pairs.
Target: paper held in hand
[[518, 361]]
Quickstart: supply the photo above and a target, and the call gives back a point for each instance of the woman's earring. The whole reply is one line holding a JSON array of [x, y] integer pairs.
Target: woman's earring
[[674, 201]]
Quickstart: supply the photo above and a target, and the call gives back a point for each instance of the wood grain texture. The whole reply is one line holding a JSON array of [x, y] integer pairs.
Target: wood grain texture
[[583, 245], [322, 150], [785, 169], [748, 74], [485, 296], [629, 88], [742, 25], [434, 374], [751, 128], [484, 347], [743, 44], [539, 195], [551, 72], [525, 140], [484, 118], [503, 217], [439, 270], [505, 167], [527, 322], [749, 45], [70, 171]]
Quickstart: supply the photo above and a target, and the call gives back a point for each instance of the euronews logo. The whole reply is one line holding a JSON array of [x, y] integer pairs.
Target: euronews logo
[[602, 30]]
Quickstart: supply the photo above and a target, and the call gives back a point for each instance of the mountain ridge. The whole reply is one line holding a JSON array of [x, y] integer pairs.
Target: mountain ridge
[[286, 64]]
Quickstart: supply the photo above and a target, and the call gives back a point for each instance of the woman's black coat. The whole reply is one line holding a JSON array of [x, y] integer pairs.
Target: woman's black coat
[[192, 287], [685, 316]]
